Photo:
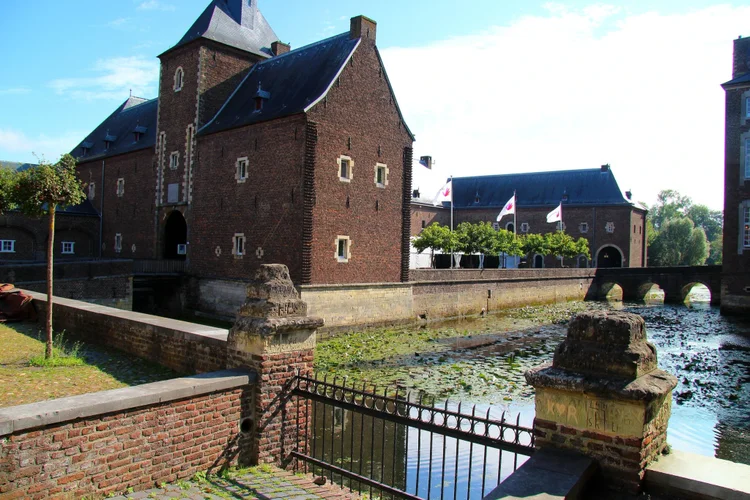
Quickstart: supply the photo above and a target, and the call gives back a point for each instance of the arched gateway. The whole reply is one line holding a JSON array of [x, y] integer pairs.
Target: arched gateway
[[609, 256], [175, 236]]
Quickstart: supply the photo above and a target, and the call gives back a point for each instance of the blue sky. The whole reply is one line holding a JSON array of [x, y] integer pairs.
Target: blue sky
[[486, 86]]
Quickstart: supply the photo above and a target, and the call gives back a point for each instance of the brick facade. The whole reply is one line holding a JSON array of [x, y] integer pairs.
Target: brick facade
[[735, 296], [30, 236]]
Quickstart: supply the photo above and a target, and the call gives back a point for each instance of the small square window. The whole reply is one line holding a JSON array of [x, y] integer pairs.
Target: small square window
[[609, 227], [346, 168], [120, 186], [238, 245], [68, 247], [496, 226], [174, 160], [583, 227], [343, 248], [118, 242], [7, 246], [424, 224], [524, 227], [381, 175], [92, 190], [242, 170]]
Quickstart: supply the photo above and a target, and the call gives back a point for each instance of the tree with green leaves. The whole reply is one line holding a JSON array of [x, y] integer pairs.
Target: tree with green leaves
[[8, 186], [435, 237], [680, 243], [41, 191], [533, 243], [507, 243]]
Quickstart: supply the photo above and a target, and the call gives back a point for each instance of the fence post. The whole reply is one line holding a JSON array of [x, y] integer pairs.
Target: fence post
[[274, 337], [604, 396]]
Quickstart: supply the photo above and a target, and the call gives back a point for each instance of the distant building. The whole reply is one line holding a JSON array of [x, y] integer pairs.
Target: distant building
[[24, 238], [735, 289], [593, 207]]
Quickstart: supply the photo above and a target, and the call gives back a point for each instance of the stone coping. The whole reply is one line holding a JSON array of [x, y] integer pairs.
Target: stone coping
[[189, 331], [310, 288], [55, 411], [645, 388], [699, 476]]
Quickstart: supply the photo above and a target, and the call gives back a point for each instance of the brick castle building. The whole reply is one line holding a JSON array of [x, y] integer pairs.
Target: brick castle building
[[253, 153], [735, 287], [593, 207]]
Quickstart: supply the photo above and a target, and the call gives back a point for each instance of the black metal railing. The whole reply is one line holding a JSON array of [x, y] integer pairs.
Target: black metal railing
[[397, 445], [158, 266]]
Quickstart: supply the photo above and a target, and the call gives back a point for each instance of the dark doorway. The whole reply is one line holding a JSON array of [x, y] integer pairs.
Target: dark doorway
[[510, 227], [175, 236], [609, 257], [538, 261]]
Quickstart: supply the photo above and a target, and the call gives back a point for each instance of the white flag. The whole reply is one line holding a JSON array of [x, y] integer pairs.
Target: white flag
[[555, 215], [445, 194], [509, 208]]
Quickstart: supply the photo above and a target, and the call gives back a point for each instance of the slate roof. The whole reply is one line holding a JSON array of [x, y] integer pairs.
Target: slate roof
[[593, 186], [234, 23], [135, 114], [736, 81], [292, 81]]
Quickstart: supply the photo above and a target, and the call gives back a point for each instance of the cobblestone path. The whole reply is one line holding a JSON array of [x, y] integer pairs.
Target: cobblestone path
[[262, 483]]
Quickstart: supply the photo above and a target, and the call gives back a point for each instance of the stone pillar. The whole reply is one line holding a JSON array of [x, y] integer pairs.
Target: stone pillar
[[604, 396], [273, 337]]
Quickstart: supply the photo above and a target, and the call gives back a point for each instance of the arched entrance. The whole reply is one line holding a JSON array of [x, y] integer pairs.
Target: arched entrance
[[510, 227], [175, 235], [538, 261], [583, 261], [609, 256]]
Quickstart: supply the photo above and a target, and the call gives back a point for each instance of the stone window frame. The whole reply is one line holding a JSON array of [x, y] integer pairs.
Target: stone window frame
[[68, 247], [744, 157], [238, 169], [239, 245], [525, 227], [347, 249], [120, 187], [350, 168], [583, 227], [92, 190], [381, 167], [744, 228], [609, 227], [174, 160], [179, 79], [118, 242], [7, 246], [745, 108], [496, 226]]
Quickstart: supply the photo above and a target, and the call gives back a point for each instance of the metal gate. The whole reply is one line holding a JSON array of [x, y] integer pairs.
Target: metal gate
[[396, 445]]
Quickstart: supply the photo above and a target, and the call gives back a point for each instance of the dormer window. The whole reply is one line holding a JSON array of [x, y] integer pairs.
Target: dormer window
[[179, 76], [85, 148], [138, 133], [108, 140], [260, 97]]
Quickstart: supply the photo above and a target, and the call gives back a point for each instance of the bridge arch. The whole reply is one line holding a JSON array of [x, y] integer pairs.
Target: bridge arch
[[644, 289], [687, 288], [609, 255], [610, 290]]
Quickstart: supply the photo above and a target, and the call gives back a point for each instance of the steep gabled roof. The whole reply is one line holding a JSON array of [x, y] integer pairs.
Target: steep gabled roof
[[591, 186], [119, 131], [290, 84], [236, 23]]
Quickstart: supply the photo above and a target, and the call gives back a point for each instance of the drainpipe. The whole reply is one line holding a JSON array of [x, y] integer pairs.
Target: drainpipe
[[101, 211], [593, 240]]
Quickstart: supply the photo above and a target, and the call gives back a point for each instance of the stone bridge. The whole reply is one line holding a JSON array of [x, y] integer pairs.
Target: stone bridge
[[676, 282]]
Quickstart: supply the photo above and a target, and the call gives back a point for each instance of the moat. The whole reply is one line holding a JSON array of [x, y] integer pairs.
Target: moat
[[482, 361]]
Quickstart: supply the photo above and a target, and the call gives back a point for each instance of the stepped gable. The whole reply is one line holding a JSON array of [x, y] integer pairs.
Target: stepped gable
[[237, 23], [119, 129], [290, 83], [584, 187]]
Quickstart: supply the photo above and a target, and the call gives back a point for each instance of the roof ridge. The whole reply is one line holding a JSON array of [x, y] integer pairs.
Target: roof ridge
[[139, 104], [299, 49], [570, 170]]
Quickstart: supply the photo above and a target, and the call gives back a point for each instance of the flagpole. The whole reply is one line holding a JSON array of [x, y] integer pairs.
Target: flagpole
[[515, 212], [451, 181]]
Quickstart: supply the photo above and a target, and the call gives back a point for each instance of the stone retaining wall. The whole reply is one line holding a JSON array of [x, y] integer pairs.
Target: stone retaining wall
[[135, 437]]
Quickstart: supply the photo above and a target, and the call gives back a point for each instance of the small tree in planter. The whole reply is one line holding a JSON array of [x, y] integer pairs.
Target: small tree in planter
[[508, 243], [534, 244], [434, 237], [41, 191]]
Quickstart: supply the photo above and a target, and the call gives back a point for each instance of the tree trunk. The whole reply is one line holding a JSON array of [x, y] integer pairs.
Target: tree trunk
[[50, 254]]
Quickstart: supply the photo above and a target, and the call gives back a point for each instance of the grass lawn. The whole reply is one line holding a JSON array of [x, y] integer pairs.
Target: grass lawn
[[98, 368]]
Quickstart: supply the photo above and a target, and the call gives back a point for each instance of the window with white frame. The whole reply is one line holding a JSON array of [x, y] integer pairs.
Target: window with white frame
[[238, 245], [118, 242], [92, 190], [609, 227], [524, 227], [583, 227], [343, 248], [381, 175], [120, 186], [7, 246], [496, 226], [68, 247], [179, 77], [174, 160], [746, 156], [346, 167], [242, 169]]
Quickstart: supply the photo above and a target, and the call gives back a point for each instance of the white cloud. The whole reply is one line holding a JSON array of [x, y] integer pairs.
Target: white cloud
[[17, 146], [155, 5], [116, 78], [576, 89], [15, 91]]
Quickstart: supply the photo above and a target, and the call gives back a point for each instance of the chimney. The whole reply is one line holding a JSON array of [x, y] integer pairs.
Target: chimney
[[741, 62], [278, 48], [629, 195], [605, 168], [364, 28]]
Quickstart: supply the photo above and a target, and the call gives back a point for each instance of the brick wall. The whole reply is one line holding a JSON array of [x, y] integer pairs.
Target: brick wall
[[30, 235], [138, 437], [106, 282], [359, 119], [424, 215]]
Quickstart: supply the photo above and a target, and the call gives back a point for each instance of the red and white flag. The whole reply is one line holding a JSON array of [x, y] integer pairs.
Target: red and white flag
[[445, 194], [555, 215], [509, 208]]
